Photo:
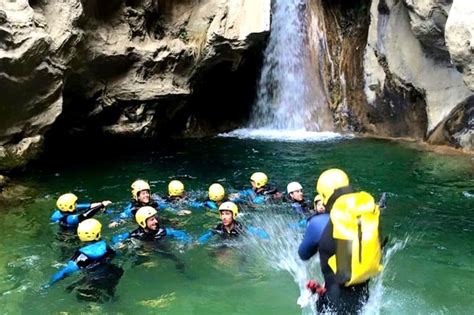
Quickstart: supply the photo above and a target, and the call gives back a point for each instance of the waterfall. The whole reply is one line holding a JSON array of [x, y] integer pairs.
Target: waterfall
[[292, 94]]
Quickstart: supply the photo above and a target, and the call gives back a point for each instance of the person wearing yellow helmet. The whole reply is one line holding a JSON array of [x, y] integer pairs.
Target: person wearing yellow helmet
[[141, 196], [230, 228], [261, 191], [70, 213], [150, 229], [334, 191], [95, 253], [216, 196], [318, 204]]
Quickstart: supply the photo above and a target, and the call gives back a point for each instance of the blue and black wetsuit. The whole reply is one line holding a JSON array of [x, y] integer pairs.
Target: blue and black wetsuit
[[260, 196], [149, 235], [234, 232], [300, 207], [156, 238], [209, 204], [132, 208], [318, 237], [70, 220], [86, 257], [101, 277]]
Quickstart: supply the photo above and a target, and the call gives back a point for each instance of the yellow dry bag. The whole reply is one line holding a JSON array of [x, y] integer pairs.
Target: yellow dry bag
[[355, 219]]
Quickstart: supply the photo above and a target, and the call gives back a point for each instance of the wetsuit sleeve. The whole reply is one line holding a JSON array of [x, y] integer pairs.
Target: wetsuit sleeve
[[211, 205], [179, 235], [297, 208], [120, 238], [72, 219], [125, 214], [70, 268], [56, 216], [243, 196], [203, 239], [314, 230], [196, 204], [89, 213], [83, 206], [163, 204], [260, 233], [259, 200]]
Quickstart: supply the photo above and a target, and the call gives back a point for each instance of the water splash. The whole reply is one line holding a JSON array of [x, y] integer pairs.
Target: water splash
[[281, 253], [285, 135], [291, 94], [374, 304]]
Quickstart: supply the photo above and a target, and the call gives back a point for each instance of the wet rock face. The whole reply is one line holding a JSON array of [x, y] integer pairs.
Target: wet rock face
[[408, 70], [428, 21], [460, 39], [123, 68]]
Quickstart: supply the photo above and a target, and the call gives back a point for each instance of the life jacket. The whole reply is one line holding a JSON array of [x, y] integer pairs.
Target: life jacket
[[355, 220]]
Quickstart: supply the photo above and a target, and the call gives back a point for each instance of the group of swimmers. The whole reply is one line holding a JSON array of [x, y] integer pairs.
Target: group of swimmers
[[145, 206], [354, 216]]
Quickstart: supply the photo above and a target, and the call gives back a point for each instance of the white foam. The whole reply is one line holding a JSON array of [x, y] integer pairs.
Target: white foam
[[300, 135]]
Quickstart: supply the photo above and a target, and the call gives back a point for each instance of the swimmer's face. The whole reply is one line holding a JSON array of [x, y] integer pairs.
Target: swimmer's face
[[297, 195], [320, 208], [144, 196], [152, 223], [227, 217]]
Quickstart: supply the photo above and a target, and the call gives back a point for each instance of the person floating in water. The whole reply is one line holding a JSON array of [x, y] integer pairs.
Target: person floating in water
[[216, 196], [149, 231], [149, 228], [70, 213], [347, 263], [261, 191], [318, 205], [230, 228], [141, 196], [175, 199], [296, 197], [94, 258]]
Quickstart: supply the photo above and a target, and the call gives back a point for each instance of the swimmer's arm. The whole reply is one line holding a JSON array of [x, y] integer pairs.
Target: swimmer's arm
[[70, 268], [179, 235], [203, 239]]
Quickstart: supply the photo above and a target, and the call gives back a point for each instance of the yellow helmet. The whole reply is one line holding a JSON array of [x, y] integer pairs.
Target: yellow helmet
[[89, 230], [229, 206], [143, 214], [259, 178], [329, 181], [175, 188], [67, 202], [216, 192], [317, 198], [138, 186]]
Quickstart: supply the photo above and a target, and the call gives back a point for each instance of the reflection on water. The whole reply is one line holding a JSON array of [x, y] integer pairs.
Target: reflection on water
[[429, 200]]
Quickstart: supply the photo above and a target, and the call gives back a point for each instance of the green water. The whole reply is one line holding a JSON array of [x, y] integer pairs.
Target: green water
[[430, 206]]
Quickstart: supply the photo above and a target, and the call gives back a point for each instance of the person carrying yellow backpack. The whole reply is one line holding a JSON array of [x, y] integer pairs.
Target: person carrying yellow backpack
[[347, 238]]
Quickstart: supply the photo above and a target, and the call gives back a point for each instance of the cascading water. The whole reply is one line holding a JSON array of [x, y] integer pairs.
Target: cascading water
[[291, 93]]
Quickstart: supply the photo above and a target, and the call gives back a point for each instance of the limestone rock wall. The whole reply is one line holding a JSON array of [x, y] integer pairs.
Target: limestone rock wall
[[408, 66], [127, 68]]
